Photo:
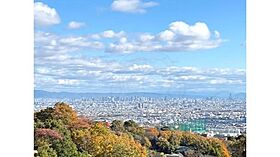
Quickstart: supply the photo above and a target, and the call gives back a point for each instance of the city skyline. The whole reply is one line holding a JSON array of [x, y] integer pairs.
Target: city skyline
[[126, 46]]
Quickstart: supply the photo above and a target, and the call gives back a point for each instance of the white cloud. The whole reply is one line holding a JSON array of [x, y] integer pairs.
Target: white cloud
[[192, 77], [123, 40], [56, 67], [108, 34], [77, 42], [225, 81], [44, 15], [112, 34], [68, 82], [121, 47], [199, 30], [94, 73], [144, 67], [166, 35], [146, 37], [132, 6], [124, 78], [75, 25], [48, 44], [95, 36], [179, 36]]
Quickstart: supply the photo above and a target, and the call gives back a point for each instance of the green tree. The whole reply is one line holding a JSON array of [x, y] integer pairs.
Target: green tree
[[44, 149], [132, 127], [164, 146], [117, 125], [237, 146], [44, 114], [130, 123]]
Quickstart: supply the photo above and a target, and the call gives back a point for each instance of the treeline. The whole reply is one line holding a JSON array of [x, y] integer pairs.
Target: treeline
[[60, 132]]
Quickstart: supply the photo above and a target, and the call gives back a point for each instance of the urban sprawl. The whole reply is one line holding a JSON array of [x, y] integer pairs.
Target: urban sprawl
[[211, 116]]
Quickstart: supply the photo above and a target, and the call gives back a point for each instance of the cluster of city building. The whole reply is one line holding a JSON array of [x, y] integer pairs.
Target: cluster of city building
[[216, 116]]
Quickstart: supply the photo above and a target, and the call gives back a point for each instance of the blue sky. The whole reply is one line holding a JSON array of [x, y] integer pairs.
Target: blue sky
[[140, 46]]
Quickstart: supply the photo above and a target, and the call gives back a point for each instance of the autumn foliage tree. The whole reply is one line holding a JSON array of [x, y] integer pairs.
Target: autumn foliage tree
[[169, 140], [64, 112], [60, 132], [100, 141], [47, 133], [52, 133]]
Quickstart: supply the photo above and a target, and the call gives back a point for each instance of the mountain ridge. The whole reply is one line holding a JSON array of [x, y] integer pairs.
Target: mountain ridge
[[221, 94]]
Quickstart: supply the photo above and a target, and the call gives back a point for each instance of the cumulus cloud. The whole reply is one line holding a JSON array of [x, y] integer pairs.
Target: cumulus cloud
[[112, 34], [60, 61], [198, 31], [75, 25], [166, 35], [49, 44], [45, 15], [102, 75], [146, 37], [132, 6], [179, 36]]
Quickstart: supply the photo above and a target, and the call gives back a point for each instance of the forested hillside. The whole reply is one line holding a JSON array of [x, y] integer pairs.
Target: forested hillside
[[60, 132]]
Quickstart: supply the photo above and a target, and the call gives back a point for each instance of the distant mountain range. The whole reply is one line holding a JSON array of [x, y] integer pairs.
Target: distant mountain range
[[61, 95]]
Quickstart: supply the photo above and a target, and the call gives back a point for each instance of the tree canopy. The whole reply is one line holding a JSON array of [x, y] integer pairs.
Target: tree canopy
[[60, 132]]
